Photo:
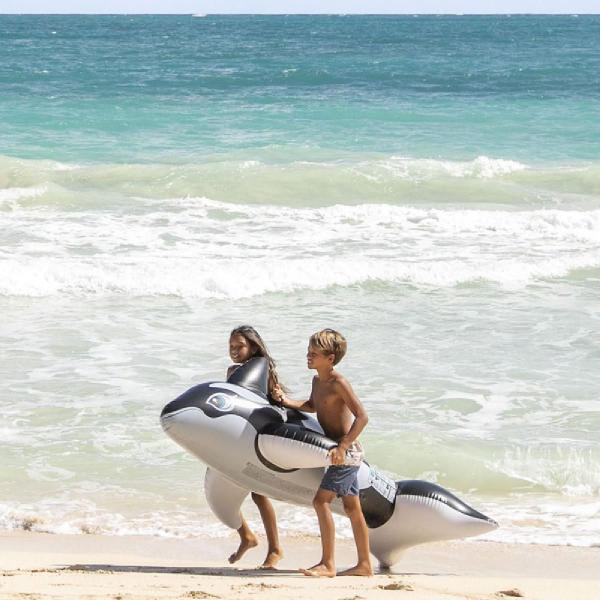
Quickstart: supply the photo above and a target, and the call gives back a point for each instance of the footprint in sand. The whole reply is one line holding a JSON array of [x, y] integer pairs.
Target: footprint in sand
[[396, 586]]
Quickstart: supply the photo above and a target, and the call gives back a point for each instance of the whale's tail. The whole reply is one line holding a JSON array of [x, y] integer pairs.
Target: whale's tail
[[399, 514], [424, 512]]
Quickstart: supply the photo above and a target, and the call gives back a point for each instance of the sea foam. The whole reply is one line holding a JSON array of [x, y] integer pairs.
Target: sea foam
[[198, 247]]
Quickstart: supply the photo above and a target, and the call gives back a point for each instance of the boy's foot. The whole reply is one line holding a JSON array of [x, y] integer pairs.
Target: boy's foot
[[319, 570], [245, 545], [359, 570], [272, 559]]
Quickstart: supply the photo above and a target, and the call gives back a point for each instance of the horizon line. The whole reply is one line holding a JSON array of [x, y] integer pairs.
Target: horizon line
[[291, 14]]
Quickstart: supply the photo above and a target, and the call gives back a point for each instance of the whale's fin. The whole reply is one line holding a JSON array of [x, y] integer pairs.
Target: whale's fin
[[224, 498], [288, 446], [252, 375]]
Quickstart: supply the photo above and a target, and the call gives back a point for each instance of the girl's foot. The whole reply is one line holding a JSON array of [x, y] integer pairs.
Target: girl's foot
[[245, 544]]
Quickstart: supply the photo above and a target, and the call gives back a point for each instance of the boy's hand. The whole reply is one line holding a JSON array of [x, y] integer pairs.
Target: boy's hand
[[337, 455], [278, 395]]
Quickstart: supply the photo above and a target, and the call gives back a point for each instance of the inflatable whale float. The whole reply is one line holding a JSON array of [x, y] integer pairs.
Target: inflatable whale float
[[250, 445]]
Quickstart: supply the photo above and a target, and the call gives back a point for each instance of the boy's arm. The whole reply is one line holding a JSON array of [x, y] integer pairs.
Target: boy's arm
[[338, 454], [303, 405]]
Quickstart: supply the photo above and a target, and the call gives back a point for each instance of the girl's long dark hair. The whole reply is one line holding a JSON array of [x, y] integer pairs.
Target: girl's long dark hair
[[259, 348]]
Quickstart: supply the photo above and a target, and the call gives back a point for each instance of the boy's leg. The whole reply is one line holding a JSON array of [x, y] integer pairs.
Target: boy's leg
[[361, 537], [269, 519], [326, 567]]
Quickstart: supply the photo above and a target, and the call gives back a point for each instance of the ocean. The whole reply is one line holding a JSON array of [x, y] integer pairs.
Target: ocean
[[428, 185]]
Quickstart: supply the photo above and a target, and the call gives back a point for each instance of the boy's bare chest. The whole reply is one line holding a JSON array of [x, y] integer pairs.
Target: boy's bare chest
[[324, 393], [332, 414], [328, 402]]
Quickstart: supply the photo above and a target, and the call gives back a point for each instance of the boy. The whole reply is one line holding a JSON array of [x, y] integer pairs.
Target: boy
[[343, 418]]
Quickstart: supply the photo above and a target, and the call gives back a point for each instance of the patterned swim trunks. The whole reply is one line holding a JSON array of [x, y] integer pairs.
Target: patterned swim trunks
[[354, 455]]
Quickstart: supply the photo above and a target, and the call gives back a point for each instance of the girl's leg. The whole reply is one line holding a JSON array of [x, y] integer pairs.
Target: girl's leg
[[247, 540], [269, 519]]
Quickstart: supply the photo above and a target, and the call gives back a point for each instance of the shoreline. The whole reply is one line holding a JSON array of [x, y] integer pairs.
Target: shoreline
[[45, 566]]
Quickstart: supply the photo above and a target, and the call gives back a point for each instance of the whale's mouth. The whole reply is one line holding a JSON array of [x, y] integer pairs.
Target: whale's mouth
[[168, 419], [166, 422]]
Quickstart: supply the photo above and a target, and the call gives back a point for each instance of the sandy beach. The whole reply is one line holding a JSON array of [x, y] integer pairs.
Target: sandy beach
[[39, 566], [427, 185]]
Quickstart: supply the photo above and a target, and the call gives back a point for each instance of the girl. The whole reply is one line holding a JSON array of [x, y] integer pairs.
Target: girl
[[244, 344]]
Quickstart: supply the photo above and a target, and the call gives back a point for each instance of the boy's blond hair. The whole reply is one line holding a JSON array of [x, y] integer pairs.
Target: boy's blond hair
[[329, 341]]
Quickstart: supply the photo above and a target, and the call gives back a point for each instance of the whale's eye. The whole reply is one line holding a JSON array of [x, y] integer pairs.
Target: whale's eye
[[220, 402]]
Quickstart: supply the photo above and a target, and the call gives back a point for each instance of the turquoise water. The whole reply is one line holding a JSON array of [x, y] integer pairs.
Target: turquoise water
[[428, 185], [175, 88]]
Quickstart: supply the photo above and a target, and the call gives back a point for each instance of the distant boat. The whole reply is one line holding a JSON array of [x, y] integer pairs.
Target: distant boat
[[199, 15]]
